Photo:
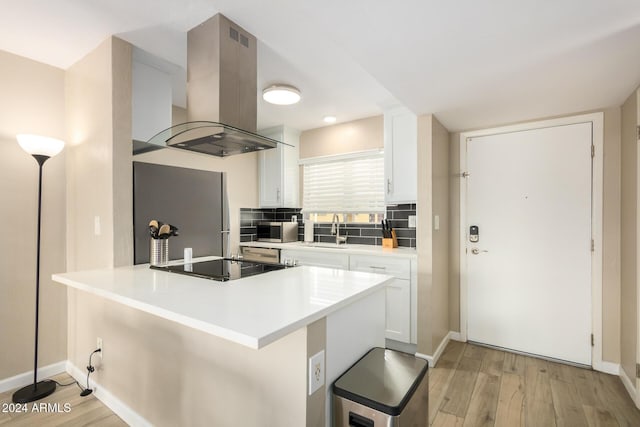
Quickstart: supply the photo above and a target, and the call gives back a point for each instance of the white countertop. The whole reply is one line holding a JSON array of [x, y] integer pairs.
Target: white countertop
[[347, 249], [252, 311]]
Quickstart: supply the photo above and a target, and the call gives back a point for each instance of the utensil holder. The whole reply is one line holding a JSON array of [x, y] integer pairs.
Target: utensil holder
[[391, 242], [158, 251]]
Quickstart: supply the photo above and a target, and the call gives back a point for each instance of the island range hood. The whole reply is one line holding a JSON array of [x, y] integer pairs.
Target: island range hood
[[221, 94]]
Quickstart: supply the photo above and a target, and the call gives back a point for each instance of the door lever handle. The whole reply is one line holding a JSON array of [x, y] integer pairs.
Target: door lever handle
[[476, 251]]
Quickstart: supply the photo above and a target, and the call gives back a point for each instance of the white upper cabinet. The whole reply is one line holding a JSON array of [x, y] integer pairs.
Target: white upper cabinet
[[400, 156], [279, 170]]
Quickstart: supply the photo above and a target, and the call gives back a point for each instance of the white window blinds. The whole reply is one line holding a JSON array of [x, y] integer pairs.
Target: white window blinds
[[344, 184]]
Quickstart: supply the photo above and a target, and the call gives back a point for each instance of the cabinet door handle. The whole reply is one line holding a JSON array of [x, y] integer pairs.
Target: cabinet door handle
[[278, 194], [376, 267], [388, 185]]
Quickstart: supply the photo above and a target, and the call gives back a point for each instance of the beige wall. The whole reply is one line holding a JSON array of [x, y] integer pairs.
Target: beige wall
[[611, 234], [122, 179], [424, 233], [611, 237], [32, 102], [178, 115], [628, 222], [99, 178], [432, 248], [358, 135], [316, 341], [176, 376], [441, 237]]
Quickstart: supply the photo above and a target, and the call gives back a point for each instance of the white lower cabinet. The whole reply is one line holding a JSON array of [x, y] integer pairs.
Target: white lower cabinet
[[396, 267], [319, 259], [398, 312], [401, 307]]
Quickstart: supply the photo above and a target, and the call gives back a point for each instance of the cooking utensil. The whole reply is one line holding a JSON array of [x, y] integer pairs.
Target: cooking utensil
[[153, 228], [164, 232]]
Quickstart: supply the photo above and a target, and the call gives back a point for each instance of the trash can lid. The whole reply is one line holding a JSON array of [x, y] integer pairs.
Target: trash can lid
[[383, 380]]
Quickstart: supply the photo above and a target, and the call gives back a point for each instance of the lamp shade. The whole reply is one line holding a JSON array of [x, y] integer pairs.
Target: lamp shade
[[40, 145], [281, 95]]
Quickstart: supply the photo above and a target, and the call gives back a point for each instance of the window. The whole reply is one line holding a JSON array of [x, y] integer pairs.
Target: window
[[350, 185]]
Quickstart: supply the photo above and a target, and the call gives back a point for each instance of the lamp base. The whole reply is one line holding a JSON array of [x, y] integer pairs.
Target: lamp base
[[34, 392]]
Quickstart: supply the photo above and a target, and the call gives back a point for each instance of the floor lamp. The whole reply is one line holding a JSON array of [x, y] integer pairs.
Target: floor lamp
[[41, 148]]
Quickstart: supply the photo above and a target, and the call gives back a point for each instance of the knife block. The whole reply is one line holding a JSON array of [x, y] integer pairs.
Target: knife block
[[390, 242]]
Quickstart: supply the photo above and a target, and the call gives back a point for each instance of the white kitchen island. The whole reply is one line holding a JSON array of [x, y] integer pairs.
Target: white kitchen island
[[182, 350]]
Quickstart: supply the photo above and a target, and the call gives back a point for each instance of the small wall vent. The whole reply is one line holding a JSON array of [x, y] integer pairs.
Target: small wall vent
[[233, 33]]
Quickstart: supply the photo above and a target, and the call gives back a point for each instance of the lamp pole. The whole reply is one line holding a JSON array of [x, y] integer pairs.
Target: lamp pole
[[41, 149]]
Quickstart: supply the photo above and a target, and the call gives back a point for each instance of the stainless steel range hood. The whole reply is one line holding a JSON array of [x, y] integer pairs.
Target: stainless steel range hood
[[212, 138], [221, 94]]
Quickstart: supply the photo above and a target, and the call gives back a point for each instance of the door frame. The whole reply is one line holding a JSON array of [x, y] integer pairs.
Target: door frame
[[597, 120]]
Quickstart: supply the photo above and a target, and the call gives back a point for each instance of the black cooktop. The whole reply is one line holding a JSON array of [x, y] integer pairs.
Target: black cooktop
[[222, 269]]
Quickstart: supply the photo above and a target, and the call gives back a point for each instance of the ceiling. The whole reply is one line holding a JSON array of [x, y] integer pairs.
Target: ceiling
[[473, 64]]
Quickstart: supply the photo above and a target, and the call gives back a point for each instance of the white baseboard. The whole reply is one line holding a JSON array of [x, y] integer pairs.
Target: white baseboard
[[456, 336], [26, 378], [607, 367], [127, 414], [436, 355], [629, 385]]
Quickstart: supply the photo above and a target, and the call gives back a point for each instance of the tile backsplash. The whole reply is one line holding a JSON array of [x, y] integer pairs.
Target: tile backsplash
[[398, 217], [361, 234], [250, 217]]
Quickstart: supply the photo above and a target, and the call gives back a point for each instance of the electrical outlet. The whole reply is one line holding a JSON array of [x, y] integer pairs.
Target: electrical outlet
[[99, 345], [412, 221], [316, 372]]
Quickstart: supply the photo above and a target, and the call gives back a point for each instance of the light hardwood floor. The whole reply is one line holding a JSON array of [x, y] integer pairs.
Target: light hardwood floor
[[478, 386], [470, 386], [83, 411]]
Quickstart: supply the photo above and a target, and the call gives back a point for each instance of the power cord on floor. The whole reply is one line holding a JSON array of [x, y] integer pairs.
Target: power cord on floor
[[90, 369], [71, 383]]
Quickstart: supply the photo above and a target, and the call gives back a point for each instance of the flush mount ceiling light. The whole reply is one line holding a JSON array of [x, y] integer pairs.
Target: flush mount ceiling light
[[281, 94], [329, 119]]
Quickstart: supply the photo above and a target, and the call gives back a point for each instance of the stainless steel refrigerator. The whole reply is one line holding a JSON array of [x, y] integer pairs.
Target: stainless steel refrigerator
[[193, 200]]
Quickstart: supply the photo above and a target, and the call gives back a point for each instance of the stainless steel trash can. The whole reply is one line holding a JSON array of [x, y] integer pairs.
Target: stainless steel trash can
[[384, 388]]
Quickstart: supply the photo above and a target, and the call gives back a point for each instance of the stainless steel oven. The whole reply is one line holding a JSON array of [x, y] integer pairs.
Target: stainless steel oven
[[277, 232], [265, 255]]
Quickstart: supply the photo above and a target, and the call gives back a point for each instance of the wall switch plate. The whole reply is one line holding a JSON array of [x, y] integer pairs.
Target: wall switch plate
[[436, 222], [412, 221], [96, 226], [316, 372]]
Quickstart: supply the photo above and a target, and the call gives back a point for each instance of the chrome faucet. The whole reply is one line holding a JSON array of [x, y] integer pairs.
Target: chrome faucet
[[335, 229]]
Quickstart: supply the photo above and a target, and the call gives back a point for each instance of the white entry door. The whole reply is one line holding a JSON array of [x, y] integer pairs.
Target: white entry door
[[529, 273]]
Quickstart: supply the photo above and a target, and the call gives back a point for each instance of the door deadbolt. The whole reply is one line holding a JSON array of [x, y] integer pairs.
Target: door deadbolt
[[474, 234]]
